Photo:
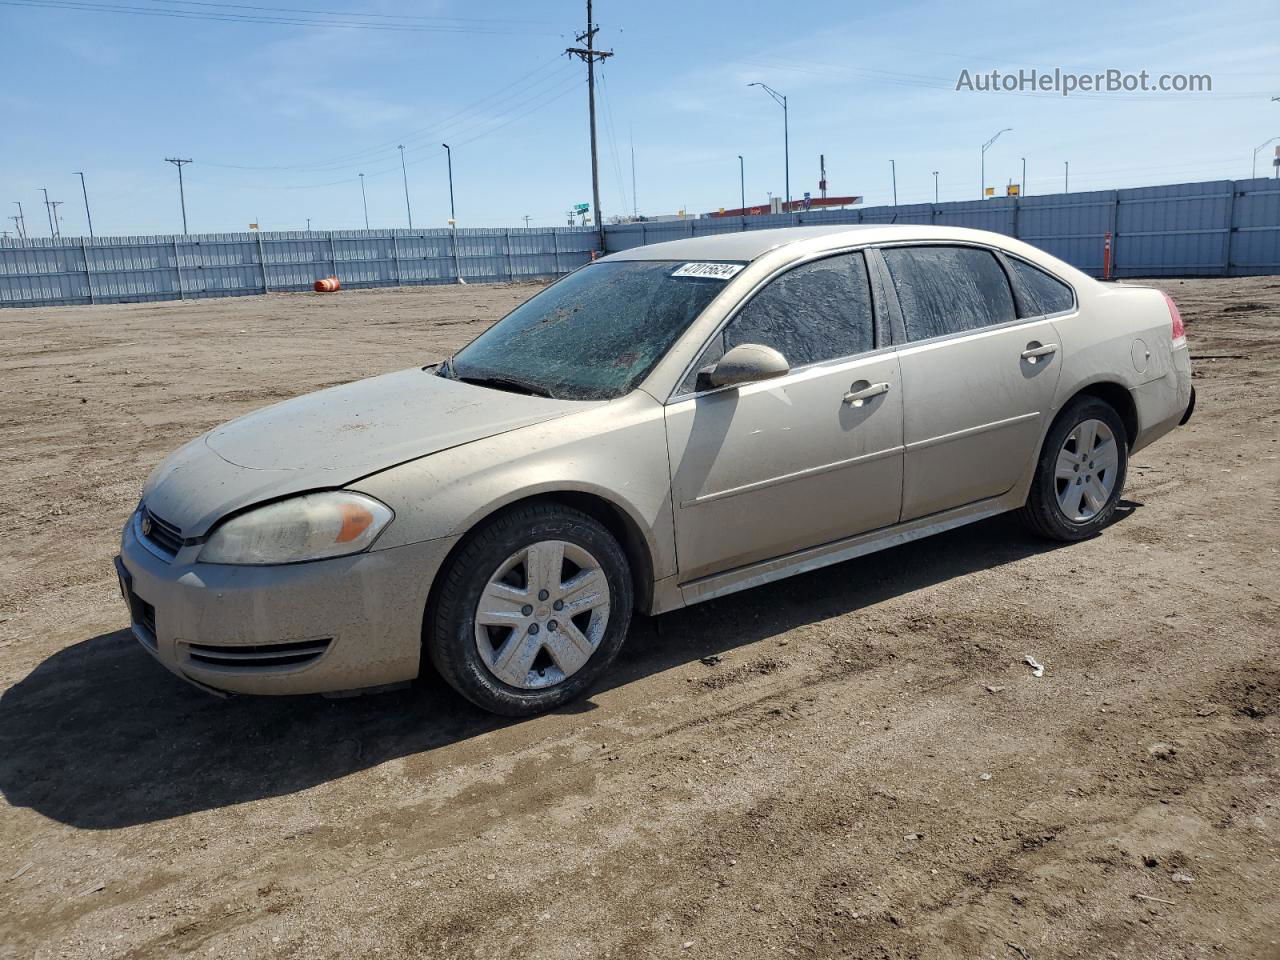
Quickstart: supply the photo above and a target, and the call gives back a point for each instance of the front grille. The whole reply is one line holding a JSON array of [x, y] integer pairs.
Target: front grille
[[162, 533], [253, 657]]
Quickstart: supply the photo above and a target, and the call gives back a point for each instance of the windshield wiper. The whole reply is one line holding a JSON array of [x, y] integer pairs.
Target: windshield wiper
[[507, 383]]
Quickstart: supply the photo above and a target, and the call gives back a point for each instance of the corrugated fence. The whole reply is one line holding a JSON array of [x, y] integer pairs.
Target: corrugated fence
[[1216, 228], [133, 269]]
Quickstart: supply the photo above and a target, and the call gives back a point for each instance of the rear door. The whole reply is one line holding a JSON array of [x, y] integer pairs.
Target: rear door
[[977, 380], [764, 469]]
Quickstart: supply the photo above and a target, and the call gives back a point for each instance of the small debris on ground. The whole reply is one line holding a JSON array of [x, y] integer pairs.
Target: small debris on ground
[[1163, 751], [1037, 668], [712, 660]]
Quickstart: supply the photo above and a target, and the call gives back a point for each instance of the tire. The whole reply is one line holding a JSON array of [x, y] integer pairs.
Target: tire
[[504, 562], [1045, 513]]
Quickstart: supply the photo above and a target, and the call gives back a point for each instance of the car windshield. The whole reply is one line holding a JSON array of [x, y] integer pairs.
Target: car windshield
[[595, 334]]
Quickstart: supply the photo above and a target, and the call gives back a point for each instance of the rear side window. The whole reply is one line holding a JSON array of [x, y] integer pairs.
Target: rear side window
[[1043, 293], [818, 311], [944, 290]]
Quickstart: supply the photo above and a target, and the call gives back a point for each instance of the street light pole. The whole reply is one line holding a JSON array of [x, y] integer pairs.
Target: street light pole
[[48, 210], [982, 194], [1066, 176], [742, 182], [86, 203], [449, 154], [893, 168], [1255, 153], [1022, 187], [786, 136], [365, 201], [405, 174], [935, 186]]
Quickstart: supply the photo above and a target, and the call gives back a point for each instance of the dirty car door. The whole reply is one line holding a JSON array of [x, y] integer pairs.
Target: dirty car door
[[767, 468], [977, 380]]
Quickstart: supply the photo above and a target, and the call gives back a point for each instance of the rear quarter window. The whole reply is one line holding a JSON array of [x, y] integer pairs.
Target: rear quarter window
[[1043, 293], [944, 290]]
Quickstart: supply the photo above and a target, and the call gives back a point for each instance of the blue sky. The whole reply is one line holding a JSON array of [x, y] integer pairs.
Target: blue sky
[[280, 119]]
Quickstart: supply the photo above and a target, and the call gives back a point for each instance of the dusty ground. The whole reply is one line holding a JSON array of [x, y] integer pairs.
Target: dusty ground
[[869, 772]]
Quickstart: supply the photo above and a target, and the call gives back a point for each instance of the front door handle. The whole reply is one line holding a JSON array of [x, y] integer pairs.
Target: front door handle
[[856, 396], [1035, 351]]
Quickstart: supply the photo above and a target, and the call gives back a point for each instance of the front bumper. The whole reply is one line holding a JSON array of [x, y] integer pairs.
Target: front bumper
[[319, 627]]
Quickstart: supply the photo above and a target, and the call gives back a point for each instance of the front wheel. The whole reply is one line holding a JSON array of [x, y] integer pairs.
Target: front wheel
[[1080, 474], [532, 609]]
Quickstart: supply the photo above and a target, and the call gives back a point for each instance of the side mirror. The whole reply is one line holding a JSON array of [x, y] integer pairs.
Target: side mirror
[[748, 363]]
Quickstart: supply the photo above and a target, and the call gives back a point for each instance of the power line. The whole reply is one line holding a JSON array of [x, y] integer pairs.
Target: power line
[[422, 132], [88, 6]]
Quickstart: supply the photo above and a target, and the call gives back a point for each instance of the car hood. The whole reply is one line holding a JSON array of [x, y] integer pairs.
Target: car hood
[[331, 438]]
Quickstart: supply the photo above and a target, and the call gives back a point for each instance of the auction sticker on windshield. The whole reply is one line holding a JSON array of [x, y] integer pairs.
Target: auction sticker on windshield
[[712, 271]]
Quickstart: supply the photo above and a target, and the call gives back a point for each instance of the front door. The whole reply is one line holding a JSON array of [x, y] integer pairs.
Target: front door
[[768, 468], [977, 382]]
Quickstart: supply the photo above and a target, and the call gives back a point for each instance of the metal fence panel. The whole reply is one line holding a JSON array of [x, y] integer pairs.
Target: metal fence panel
[[73, 270], [1216, 228]]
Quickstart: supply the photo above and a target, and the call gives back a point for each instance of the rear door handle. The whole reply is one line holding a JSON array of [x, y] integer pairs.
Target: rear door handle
[[1036, 352], [866, 393]]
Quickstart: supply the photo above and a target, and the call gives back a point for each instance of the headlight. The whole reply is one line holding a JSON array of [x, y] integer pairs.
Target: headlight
[[310, 527]]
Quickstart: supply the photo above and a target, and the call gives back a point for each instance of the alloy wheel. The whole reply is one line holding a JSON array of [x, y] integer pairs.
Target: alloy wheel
[[542, 614], [1086, 470]]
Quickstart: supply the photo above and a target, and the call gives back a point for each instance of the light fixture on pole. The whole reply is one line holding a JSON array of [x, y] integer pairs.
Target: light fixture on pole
[[982, 194], [786, 144], [1255, 153], [84, 191], [449, 154], [405, 174]]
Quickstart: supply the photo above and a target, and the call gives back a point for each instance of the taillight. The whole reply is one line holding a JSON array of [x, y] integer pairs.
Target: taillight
[[1179, 333]]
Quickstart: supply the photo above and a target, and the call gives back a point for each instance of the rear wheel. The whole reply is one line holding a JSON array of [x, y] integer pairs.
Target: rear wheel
[[1080, 474], [531, 610]]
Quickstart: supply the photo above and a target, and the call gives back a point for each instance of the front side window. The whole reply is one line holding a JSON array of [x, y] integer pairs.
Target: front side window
[[944, 290], [817, 311], [1043, 293], [594, 335]]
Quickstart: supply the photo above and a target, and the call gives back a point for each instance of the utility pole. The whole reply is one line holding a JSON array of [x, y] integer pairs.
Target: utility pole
[[822, 175], [22, 221], [87, 215], [781, 100], [54, 205], [742, 181], [635, 204], [48, 210], [1066, 176], [364, 200], [589, 55], [453, 217], [182, 193], [405, 173], [893, 168], [935, 186], [1022, 187]]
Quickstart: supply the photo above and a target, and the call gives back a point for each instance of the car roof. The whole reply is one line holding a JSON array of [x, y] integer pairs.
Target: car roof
[[751, 244]]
